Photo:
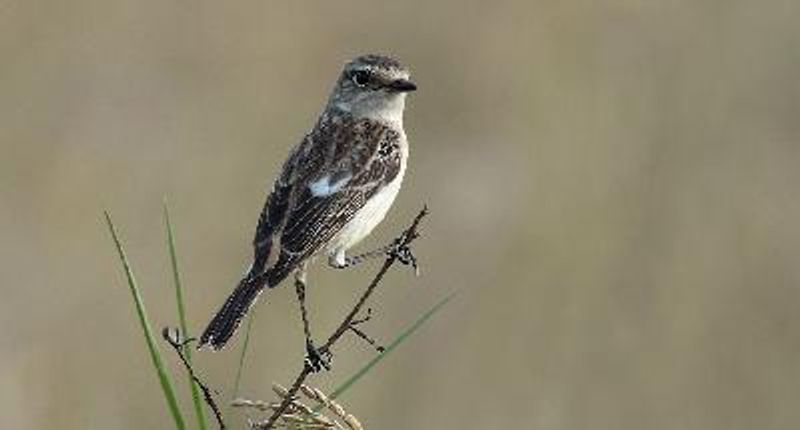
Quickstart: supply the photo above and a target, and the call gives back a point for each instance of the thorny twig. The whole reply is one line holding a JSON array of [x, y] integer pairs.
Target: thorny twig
[[401, 253], [177, 344], [360, 333]]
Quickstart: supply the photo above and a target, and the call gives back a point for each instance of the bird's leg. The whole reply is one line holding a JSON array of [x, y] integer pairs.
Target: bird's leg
[[402, 253], [314, 359], [341, 261]]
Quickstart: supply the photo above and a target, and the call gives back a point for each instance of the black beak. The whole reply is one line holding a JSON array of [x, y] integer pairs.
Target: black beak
[[402, 86]]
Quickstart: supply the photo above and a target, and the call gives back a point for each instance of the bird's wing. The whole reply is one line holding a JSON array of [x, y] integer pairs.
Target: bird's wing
[[328, 178]]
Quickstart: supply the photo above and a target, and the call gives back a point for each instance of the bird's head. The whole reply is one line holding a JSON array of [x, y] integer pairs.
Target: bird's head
[[373, 86]]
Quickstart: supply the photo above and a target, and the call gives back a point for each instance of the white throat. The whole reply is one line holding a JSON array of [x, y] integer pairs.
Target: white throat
[[384, 109]]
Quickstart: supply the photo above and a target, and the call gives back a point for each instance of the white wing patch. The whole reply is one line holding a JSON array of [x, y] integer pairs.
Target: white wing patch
[[323, 187]]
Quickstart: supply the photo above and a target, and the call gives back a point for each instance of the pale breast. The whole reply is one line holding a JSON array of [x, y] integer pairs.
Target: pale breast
[[373, 212]]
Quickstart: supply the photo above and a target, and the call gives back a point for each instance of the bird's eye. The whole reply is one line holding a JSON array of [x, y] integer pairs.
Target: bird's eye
[[360, 77]]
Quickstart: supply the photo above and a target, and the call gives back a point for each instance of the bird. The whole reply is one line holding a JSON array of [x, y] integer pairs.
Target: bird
[[335, 187]]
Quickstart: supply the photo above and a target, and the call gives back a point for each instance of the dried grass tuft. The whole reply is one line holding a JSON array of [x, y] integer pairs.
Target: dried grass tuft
[[302, 416]]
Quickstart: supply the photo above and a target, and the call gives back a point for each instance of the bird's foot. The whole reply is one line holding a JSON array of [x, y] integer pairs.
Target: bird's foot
[[317, 359], [403, 254]]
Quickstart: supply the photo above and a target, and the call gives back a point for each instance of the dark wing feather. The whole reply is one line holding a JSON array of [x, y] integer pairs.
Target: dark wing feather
[[295, 224]]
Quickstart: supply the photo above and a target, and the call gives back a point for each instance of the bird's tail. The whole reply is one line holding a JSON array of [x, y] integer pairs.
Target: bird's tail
[[228, 318]]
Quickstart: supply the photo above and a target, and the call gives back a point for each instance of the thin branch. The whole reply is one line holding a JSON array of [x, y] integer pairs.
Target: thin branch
[[360, 333], [400, 253], [178, 345]]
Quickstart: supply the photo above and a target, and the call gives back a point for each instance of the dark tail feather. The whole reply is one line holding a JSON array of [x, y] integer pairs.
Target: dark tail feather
[[227, 320]]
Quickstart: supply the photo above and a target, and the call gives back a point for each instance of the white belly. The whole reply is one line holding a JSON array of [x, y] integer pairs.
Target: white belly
[[369, 216]]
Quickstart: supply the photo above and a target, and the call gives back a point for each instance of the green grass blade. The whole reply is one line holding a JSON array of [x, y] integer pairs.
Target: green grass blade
[[197, 400], [155, 355], [238, 381], [397, 341]]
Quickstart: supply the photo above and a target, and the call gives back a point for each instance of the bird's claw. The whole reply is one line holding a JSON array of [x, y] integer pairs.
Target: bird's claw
[[404, 255], [317, 359]]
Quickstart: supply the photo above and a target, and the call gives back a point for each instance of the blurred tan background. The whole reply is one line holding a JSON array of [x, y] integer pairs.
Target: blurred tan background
[[613, 185]]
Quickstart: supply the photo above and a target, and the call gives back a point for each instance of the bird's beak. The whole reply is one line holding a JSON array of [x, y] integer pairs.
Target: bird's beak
[[402, 86]]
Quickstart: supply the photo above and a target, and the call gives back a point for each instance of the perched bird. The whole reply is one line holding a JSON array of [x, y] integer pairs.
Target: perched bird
[[335, 187]]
